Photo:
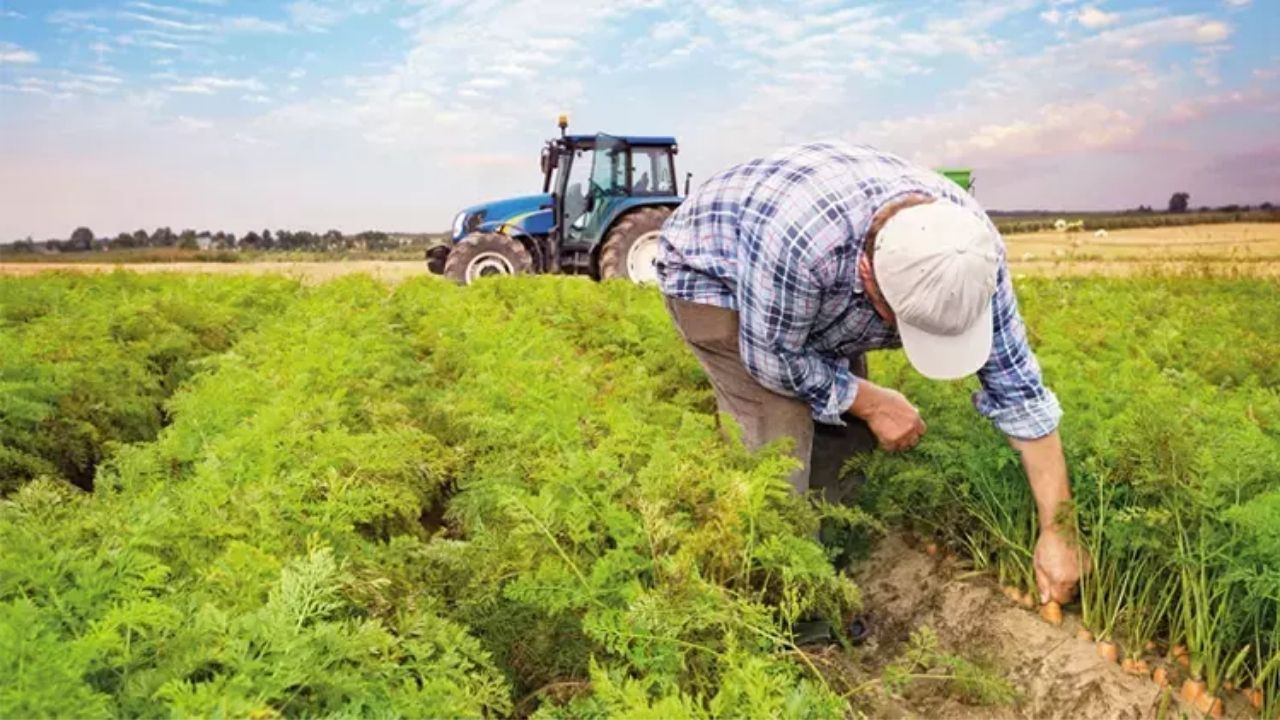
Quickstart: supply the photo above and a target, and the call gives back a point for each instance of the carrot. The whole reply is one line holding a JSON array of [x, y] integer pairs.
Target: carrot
[[1013, 593], [1209, 705], [1108, 651], [1255, 697], [1228, 685], [1160, 677], [1150, 646], [1140, 667], [1127, 665], [1051, 612], [1026, 601], [1192, 690], [931, 549], [1084, 634]]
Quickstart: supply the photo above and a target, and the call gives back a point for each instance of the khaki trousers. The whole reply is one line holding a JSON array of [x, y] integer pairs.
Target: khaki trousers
[[764, 416]]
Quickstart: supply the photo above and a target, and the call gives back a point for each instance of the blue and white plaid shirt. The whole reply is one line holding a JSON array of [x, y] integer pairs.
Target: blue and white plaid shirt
[[778, 239]]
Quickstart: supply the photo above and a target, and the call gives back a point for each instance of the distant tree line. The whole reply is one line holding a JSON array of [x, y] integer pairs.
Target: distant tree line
[[83, 240]]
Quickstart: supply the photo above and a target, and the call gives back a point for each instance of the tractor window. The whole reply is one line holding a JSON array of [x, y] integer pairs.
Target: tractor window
[[576, 187], [609, 169], [651, 171]]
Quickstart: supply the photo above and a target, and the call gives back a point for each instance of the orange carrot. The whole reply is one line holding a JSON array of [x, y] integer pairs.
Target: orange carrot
[[931, 548], [1127, 665], [1026, 601], [1140, 667], [1013, 593], [1150, 646], [1209, 705], [1084, 634], [1051, 612], [1108, 651], [1255, 698], [1192, 690], [1160, 677]]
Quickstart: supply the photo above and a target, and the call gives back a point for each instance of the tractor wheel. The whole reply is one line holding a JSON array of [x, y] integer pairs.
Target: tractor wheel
[[436, 257], [631, 247], [486, 254]]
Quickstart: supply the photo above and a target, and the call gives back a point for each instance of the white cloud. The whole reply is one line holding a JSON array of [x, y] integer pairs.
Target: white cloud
[[251, 24], [1093, 18], [1053, 16], [1237, 3], [12, 14], [11, 54], [212, 84], [187, 123], [320, 15]]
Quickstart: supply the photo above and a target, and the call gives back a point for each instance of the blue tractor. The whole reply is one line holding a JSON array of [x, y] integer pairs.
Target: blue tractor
[[603, 202]]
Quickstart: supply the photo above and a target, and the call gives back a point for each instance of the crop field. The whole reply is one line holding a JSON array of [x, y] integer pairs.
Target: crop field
[[230, 495], [1233, 249]]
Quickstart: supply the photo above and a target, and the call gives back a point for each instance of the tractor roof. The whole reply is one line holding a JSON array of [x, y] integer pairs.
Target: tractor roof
[[663, 140]]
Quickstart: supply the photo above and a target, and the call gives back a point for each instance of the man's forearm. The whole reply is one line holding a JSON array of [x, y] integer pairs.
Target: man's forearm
[[1046, 469]]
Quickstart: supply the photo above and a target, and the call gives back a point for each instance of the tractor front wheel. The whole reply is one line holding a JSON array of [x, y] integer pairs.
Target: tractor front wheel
[[484, 255], [631, 247]]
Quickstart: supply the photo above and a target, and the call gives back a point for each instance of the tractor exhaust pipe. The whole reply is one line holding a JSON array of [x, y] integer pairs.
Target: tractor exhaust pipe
[[687, 177]]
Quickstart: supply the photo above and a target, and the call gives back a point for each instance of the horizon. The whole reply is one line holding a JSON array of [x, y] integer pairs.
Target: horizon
[[371, 114]]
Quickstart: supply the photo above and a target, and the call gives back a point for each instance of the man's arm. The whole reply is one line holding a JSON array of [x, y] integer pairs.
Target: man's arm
[[1057, 559], [1016, 400]]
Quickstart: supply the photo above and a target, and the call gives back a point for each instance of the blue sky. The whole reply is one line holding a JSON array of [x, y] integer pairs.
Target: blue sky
[[230, 114]]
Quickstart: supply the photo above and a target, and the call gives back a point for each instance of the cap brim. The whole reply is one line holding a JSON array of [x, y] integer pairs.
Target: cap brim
[[948, 357]]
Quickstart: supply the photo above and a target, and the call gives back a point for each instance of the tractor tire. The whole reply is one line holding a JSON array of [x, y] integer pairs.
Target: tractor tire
[[484, 255], [631, 246], [436, 257]]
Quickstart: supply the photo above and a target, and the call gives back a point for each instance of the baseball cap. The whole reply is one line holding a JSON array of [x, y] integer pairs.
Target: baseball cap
[[936, 265]]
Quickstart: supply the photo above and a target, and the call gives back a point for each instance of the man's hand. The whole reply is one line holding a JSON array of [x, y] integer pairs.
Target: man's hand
[[893, 420], [1057, 563]]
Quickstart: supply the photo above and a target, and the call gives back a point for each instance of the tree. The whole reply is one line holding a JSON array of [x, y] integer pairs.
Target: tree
[[140, 238], [122, 241], [187, 240], [82, 238], [251, 241], [1178, 203], [163, 237]]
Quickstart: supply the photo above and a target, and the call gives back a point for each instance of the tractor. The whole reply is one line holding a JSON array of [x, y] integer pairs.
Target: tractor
[[603, 202]]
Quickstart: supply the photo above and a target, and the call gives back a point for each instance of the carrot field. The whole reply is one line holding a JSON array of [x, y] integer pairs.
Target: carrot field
[[228, 495]]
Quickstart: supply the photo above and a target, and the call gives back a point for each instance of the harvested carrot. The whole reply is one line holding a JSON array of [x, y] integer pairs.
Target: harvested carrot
[[1084, 634], [1150, 646], [1108, 651], [1026, 601], [931, 548], [1228, 685], [1140, 667], [1127, 665], [1160, 677], [1013, 593], [1192, 690], [1051, 612]]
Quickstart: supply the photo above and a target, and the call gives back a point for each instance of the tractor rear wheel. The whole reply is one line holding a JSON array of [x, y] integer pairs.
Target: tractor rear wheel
[[631, 247], [486, 254]]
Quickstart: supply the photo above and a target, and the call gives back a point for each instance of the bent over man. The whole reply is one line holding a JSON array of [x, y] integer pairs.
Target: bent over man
[[781, 271]]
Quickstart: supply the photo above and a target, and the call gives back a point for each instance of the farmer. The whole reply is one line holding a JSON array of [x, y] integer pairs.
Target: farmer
[[780, 272]]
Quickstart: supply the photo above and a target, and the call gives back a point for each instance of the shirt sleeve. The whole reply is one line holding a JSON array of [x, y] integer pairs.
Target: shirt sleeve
[[1013, 394], [779, 295]]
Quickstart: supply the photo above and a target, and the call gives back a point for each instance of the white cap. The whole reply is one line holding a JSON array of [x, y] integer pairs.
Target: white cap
[[936, 265]]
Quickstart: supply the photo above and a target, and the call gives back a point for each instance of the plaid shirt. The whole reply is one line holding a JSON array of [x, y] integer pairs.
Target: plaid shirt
[[778, 239]]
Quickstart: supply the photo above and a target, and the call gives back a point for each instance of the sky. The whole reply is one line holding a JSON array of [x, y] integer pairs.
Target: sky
[[384, 114]]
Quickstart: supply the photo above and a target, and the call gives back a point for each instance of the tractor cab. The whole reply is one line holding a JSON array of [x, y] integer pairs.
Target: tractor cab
[[596, 179]]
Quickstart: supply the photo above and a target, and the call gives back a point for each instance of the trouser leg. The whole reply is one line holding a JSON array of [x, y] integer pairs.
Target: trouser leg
[[764, 416], [834, 445]]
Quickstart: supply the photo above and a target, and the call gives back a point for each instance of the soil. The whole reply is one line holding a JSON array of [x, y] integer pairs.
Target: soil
[[1056, 674]]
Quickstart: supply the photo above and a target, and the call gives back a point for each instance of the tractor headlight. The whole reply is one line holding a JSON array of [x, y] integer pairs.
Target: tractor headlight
[[458, 222]]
